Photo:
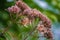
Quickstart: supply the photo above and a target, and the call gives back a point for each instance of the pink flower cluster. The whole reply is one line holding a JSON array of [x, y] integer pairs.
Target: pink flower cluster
[[14, 9], [44, 26]]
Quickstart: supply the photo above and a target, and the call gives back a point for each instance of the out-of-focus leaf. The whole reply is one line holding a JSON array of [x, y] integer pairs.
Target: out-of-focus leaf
[[51, 16]]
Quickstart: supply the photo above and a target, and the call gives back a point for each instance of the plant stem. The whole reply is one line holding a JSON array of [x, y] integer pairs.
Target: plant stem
[[30, 33]]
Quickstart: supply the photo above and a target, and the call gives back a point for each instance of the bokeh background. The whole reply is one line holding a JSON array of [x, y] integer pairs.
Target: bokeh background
[[51, 8]]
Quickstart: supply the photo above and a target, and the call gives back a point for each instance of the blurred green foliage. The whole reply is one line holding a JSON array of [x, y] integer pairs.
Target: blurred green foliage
[[19, 32]]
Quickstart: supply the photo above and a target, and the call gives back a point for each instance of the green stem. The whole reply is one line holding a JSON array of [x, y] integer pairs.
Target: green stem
[[30, 33]]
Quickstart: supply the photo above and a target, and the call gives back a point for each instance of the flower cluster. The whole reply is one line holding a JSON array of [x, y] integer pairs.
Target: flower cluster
[[45, 31], [25, 21], [14, 9], [44, 26]]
